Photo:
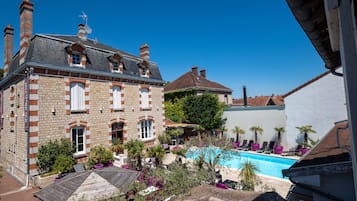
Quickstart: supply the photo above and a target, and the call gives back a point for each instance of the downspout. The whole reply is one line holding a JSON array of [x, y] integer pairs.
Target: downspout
[[333, 71], [27, 128], [323, 194]]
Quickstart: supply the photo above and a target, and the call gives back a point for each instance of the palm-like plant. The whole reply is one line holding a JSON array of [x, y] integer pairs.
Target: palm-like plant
[[306, 130], [237, 130], [249, 177], [158, 153], [199, 130], [176, 133], [256, 130], [279, 130], [135, 150]]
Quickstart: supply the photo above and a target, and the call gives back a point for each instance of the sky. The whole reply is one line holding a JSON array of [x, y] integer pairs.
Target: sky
[[256, 43]]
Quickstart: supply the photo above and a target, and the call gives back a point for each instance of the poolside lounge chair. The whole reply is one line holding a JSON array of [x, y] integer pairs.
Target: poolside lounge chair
[[292, 152], [243, 145], [263, 148], [270, 148], [248, 147]]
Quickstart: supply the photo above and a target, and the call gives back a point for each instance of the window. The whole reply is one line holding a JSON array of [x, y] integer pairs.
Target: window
[[117, 133], [143, 72], [116, 98], [145, 98], [115, 66], [76, 59], [146, 129], [77, 96], [78, 139]]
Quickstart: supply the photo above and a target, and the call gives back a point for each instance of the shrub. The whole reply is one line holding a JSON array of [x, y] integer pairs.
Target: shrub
[[117, 148], [64, 164], [48, 153], [100, 155]]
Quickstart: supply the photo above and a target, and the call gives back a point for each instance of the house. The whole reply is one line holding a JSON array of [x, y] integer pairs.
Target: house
[[324, 172], [330, 25], [319, 102], [259, 101], [197, 83], [69, 86]]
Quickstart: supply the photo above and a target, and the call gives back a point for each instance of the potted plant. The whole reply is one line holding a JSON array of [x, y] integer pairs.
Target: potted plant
[[237, 130], [278, 149], [118, 148], [100, 156], [256, 130]]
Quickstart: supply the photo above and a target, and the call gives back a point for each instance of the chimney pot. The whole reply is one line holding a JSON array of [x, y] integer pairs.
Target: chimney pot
[[82, 34], [245, 96], [144, 51], [203, 73], [26, 10], [195, 70], [8, 47]]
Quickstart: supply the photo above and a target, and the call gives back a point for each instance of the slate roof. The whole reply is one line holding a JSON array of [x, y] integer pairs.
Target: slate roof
[[190, 80], [48, 51], [260, 101], [326, 154], [63, 189], [312, 18]]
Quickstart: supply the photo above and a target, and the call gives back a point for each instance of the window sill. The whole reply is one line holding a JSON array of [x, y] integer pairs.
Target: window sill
[[77, 65], [147, 139], [145, 109], [78, 111], [79, 155], [118, 109]]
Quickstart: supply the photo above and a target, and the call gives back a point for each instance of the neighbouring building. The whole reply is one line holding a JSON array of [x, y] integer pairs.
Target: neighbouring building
[[259, 101], [320, 102], [62, 86], [197, 83]]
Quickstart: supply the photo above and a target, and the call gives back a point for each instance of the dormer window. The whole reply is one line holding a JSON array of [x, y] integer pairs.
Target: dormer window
[[144, 68], [115, 63], [76, 54]]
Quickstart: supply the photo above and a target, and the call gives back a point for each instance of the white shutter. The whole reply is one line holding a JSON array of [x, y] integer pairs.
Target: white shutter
[[116, 97], [81, 96], [144, 98], [77, 96]]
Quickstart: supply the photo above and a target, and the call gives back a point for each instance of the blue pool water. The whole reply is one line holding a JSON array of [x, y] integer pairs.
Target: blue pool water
[[267, 164]]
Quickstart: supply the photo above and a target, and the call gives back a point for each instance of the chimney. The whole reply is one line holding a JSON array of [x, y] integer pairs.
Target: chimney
[[144, 51], [203, 73], [82, 34], [26, 10], [245, 96], [195, 70], [8, 47]]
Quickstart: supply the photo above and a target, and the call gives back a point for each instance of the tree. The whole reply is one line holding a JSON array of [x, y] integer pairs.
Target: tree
[[199, 130], [174, 110], [135, 151], [249, 177], [176, 133], [279, 130], [237, 130], [256, 130], [158, 153], [306, 130], [205, 110]]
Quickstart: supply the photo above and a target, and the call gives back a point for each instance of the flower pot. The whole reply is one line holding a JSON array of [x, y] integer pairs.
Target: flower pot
[[278, 149], [303, 151], [255, 146], [98, 166]]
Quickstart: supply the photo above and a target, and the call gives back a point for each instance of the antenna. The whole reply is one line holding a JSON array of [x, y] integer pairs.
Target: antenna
[[84, 16]]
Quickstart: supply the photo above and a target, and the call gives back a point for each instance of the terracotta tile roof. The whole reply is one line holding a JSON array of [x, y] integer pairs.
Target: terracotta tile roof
[[327, 150], [306, 83], [260, 101], [192, 80], [171, 124]]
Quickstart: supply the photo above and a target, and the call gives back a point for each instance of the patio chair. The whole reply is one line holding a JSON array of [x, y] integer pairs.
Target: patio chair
[[249, 146], [166, 148], [263, 148], [292, 152], [270, 148], [244, 144]]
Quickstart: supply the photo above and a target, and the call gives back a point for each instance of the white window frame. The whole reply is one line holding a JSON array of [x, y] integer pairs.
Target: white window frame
[[145, 98], [77, 96], [117, 98], [80, 59], [76, 140], [146, 129]]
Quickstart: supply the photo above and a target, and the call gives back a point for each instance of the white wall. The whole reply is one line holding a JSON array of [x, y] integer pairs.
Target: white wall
[[267, 118], [320, 104]]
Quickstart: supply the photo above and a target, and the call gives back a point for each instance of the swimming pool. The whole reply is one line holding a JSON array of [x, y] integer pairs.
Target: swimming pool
[[267, 164]]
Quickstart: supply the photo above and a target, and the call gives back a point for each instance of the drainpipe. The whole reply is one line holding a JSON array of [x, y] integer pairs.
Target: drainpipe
[[333, 71], [27, 129], [323, 194]]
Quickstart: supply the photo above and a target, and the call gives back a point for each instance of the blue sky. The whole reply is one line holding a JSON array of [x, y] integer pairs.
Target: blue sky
[[255, 43]]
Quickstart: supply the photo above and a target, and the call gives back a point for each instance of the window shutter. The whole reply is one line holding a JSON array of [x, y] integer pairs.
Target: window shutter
[[144, 98], [116, 97], [77, 96]]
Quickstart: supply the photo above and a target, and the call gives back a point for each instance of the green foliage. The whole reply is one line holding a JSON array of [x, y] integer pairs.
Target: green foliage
[[164, 138], [118, 148], [279, 130], [179, 151], [248, 175], [48, 153], [174, 96], [237, 130], [176, 132], [205, 110], [135, 151], [158, 153], [100, 155], [305, 130], [174, 110], [63, 164], [256, 130]]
